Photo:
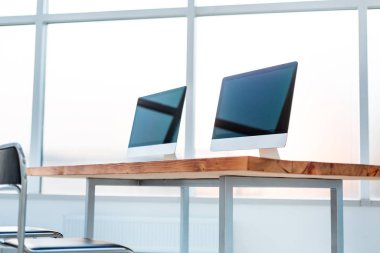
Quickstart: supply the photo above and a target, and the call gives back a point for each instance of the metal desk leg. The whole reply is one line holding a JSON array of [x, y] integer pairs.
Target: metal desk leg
[[225, 215], [184, 220], [89, 209], [337, 218]]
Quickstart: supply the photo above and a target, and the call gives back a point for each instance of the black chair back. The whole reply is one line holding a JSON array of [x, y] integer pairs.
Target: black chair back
[[10, 169]]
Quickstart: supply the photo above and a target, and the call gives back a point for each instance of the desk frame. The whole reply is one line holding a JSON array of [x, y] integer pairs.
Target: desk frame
[[226, 185]]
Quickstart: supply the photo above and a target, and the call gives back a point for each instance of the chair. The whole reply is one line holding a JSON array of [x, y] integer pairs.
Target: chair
[[13, 176], [11, 181], [11, 232]]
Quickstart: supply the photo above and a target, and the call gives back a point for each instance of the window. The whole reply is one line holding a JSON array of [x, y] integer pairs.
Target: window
[[95, 73], [374, 93], [17, 7], [326, 85], [16, 90], [327, 78]]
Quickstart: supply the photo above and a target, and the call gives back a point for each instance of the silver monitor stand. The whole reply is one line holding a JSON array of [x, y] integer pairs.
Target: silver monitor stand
[[269, 153], [172, 156], [133, 157]]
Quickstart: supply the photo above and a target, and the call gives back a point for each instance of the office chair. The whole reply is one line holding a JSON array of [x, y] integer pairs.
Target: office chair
[[11, 232], [11, 181], [13, 176]]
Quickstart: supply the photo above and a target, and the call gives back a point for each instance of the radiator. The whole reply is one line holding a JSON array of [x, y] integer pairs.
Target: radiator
[[148, 234]]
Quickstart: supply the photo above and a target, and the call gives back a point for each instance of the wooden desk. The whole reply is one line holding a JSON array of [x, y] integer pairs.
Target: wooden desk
[[212, 168], [222, 172]]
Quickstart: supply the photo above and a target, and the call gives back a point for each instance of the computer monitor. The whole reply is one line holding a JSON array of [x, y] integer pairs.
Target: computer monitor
[[254, 109], [156, 123]]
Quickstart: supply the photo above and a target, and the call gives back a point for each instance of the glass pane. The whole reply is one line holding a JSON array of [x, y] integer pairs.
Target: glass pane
[[72, 6], [374, 93], [234, 2], [17, 7], [350, 191], [95, 73], [16, 84], [324, 124], [138, 191]]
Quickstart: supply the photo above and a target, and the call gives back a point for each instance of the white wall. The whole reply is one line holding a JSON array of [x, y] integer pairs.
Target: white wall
[[260, 225]]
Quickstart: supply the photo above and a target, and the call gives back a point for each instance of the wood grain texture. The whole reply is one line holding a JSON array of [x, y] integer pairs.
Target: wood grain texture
[[213, 168]]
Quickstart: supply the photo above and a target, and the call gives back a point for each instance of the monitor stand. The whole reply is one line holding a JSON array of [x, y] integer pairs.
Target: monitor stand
[[152, 158], [269, 153], [170, 157]]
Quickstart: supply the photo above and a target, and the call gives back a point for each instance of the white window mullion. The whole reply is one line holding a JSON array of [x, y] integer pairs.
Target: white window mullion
[[115, 15], [17, 20], [36, 146], [277, 8], [190, 96], [363, 97]]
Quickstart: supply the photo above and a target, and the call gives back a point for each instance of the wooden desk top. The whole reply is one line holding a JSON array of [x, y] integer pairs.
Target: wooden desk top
[[213, 168]]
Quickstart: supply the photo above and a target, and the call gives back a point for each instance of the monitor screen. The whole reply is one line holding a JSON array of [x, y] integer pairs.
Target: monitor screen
[[157, 118], [256, 103]]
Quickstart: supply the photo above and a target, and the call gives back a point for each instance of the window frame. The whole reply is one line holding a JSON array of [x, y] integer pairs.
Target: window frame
[[42, 19]]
